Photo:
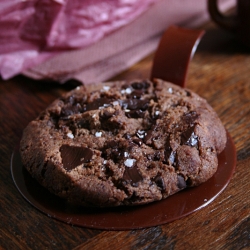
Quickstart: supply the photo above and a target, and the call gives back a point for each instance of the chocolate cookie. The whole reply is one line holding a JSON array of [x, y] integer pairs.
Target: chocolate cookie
[[123, 143]]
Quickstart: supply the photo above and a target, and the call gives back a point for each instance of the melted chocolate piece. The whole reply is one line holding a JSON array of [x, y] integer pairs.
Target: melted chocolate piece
[[125, 86], [135, 114], [97, 103], [134, 104], [188, 93], [108, 171], [106, 114], [140, 85], [71, 109], [107, 123], [73, 156], [116, 155], [113, 151], [181, 182], [83, 123], [157, 156], [135, 140], [189, 138], [138, 141], [137, 94], [136, 107], [112, 144], [160, 182], [149, 135], [132, 175], [190, 117]]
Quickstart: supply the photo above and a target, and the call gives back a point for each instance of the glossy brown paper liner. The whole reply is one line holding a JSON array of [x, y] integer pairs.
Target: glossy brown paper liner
[[126, 218]]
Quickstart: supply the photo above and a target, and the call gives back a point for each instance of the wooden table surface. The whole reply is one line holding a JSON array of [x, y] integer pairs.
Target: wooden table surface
[[219, 72]]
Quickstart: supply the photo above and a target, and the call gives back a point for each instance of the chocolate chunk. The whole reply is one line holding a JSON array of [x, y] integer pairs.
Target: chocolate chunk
[[157, 156], [137, 94], [132, 175], [190, 117], [112, 144], [98, 103], [188, 93], [134, 104], [73, 156], [150, 135], [83, 123], [160, 182], [140, 85], [181, 182], [106, 114], [112, 150], [125, 86], [135, 114], [116, 154], [109, 122], [189, 138], [136, 108], [71, 109], [109, 172], [137, 141]]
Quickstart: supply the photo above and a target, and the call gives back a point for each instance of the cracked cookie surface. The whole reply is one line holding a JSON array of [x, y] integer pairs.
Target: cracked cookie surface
[[123, 143]]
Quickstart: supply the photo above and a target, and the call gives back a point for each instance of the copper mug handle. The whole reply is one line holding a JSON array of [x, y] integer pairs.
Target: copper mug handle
[[239, 23], [229, 22]]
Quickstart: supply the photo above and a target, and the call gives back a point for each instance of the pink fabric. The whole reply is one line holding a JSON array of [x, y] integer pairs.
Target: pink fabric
[[32, 31], [74, 43]]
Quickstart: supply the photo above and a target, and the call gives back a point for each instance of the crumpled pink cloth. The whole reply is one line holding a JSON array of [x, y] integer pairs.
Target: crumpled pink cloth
[[90, 40]]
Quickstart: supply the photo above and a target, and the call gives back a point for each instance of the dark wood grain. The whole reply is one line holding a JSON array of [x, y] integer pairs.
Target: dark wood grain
[[220, 72]]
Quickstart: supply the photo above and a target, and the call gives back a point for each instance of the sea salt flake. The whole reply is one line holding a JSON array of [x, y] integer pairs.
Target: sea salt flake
[[106, 88], [141, 131], [70, 135], [141, 134], [170, 90], [157, 112], [125, 154], [128, 91], [129, 163], [115, 103], [98, 134]]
